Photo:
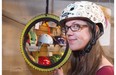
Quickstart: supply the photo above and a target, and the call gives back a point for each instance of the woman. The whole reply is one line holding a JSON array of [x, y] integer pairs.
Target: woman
[[83, 23]]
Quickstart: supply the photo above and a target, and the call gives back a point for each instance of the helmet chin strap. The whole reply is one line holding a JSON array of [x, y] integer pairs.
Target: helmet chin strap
[[87, 49]]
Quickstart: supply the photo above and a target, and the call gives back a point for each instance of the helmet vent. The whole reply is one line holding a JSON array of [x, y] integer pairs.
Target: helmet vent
[[72, 9]]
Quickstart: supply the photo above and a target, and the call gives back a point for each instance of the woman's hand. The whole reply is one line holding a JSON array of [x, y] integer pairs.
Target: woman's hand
[[58, 71]]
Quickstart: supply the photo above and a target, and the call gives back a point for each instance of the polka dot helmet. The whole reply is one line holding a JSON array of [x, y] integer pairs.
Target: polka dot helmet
[[84, 9]]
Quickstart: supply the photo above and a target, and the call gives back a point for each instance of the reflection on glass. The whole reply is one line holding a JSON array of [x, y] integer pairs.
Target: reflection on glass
[[44, 43]]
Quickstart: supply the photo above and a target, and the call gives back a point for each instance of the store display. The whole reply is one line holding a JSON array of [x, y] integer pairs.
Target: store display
[[41, 46]]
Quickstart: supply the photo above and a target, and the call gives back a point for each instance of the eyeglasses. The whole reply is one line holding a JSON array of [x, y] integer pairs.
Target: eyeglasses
[[74, 27]]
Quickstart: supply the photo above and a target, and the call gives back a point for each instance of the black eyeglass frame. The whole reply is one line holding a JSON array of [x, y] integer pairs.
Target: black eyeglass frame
[[73, 28]]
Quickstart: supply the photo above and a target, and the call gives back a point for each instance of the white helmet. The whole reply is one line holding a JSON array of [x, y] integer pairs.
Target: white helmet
[[83, 9], [45, 39]]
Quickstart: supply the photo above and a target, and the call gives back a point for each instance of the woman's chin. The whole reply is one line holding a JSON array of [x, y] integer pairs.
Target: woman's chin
[[74, 48]]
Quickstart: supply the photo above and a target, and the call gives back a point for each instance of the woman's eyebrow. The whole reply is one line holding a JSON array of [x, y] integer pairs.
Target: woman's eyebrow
[[74, 23], [71, 23], [77, 24]]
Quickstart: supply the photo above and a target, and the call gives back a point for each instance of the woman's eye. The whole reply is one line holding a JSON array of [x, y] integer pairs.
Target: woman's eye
[[76, 26]]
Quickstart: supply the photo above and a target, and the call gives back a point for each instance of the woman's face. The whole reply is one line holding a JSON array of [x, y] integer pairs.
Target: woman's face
[[78, 34]]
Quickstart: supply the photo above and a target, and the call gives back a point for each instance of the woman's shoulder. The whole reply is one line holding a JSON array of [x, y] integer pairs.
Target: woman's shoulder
[[106, 70]]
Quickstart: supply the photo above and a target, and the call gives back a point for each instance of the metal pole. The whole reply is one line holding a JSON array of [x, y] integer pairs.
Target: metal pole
[[47, 6]]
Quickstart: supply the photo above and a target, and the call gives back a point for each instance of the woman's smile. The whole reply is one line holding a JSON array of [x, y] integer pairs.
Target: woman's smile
[[72, 41]]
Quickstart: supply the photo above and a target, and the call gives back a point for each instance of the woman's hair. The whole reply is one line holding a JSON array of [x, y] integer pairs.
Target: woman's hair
[[88, 64]]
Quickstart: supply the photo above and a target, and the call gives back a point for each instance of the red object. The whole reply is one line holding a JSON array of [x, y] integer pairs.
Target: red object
[[43, 60], [106, 70]]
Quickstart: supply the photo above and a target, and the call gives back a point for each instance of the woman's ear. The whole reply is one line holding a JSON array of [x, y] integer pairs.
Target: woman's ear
[[97, 29]]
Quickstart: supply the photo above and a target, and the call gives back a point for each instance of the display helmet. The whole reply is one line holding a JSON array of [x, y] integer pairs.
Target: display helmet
[[44, 39], [88, 11]]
